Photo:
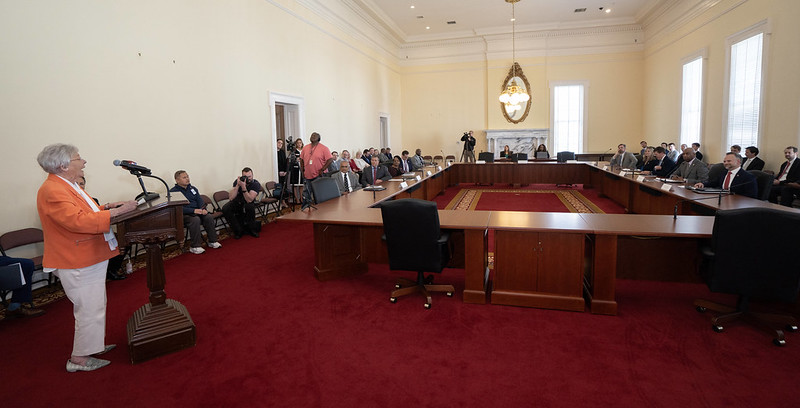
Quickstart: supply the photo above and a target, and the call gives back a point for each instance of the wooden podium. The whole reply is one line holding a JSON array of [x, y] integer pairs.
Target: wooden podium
[[163, 325]]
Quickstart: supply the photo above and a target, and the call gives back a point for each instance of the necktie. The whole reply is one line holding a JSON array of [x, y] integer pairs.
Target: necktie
[[374, 176], [785, 169], [346, 182], [727, 184], [405, 166]]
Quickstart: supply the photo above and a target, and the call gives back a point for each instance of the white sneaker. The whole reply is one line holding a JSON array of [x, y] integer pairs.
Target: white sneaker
[[214, 245], [197, 250]]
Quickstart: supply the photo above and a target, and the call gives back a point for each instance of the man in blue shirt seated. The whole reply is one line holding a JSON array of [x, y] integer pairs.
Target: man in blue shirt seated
[[195, 213], [9, 279]]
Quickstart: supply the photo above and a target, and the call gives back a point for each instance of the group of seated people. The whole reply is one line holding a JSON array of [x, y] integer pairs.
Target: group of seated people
[[666, 162], [540, 153]]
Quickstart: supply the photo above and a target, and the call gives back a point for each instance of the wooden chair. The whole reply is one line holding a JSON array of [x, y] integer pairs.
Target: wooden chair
[[427, 159], [450, 158], [266, 200], [438, 159], [23, 237], [215, 212]]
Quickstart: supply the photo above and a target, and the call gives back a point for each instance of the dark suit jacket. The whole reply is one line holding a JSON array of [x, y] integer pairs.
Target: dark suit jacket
[[352, 178], [794, 172], [757, 164], [699, 155], [649, 165], [743, 183], [382, 173], [666, 167]]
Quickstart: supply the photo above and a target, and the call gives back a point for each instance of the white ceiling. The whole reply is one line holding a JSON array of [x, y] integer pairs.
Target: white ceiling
[[481, 17]]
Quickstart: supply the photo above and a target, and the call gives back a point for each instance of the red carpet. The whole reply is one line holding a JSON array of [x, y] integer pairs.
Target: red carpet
[[536, 197], [271, 335]]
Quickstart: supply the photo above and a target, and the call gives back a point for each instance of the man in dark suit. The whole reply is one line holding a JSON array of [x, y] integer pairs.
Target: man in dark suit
[[374, 174], [665, 165], [786, 183], [346, 179], [737, 180], [752, 161], [696, 148]]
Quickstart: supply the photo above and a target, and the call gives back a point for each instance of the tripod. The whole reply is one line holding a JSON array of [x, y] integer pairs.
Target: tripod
[[292, 169]]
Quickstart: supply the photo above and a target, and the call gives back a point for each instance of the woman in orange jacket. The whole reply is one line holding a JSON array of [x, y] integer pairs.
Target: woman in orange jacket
[[77, 245]]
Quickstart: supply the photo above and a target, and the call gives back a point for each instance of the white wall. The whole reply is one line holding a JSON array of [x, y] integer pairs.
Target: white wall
[[174, 85]]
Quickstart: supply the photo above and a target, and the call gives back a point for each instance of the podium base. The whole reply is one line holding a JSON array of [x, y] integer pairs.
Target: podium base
[[154, 331]]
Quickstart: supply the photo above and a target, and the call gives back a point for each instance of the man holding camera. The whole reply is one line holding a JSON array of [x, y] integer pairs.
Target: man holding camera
[[240, 211], [469, 147]]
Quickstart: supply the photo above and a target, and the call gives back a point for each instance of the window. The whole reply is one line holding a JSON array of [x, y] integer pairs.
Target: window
[[568, 115], [692, 101], [746, 52]]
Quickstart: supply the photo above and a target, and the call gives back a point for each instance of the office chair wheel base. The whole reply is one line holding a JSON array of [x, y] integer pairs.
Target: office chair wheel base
[[717, 328], [449, 294], [700, 309], [791, 328], [779, 342], [427, 305], [393, 299]]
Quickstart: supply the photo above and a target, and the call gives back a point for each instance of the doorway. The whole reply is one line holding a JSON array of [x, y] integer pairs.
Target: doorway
[[288, 117]]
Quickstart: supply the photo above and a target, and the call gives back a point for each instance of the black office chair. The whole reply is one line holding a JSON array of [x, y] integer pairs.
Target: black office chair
[[415, 243], [716, 171], [764, 267], [764, 182], [324, 189], [488, 157], [562, 157], [520, 156]]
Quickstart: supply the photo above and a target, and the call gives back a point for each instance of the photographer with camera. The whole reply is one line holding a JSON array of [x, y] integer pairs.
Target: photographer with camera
[[240, 211], [468, 156]]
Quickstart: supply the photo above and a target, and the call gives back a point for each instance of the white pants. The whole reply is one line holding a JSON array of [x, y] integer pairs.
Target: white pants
[[86, 289]]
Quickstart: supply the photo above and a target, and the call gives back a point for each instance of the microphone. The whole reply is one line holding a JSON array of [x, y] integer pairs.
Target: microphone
[[719, 201], [131, 166], [718, 196]]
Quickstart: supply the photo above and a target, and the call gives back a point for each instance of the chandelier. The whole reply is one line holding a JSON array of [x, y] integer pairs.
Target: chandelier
[[513, 95]]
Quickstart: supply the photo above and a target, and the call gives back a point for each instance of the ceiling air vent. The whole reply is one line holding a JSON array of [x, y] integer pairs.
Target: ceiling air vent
[[580, 10]]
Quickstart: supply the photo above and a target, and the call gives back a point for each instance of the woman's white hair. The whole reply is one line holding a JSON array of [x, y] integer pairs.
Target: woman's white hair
[[55, 157]]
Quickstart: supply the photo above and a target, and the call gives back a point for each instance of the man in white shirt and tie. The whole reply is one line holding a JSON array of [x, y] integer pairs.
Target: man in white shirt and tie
[[753, 162], [405, 163], [786, 183], [736, 179], [346, 179]]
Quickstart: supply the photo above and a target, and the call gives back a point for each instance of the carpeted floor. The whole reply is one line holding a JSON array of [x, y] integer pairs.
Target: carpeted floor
[[271, 335]]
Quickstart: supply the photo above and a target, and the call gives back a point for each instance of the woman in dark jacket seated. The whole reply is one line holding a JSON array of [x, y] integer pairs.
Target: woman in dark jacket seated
[[541, 148], [649, 160], [506, 153], [395, 169]]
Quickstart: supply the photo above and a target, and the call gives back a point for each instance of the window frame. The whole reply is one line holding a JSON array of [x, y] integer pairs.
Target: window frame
[[584, 113], [762, 27], [701, 55]]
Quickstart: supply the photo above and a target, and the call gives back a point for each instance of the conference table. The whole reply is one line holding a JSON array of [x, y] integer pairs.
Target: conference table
[[547, 260]]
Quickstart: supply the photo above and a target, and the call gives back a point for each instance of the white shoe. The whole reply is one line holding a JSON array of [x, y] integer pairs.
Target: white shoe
[[197, 250], [90, 365], [214, 245]]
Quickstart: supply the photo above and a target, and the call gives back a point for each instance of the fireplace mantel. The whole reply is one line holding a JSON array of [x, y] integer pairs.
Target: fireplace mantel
[[518, 140]]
